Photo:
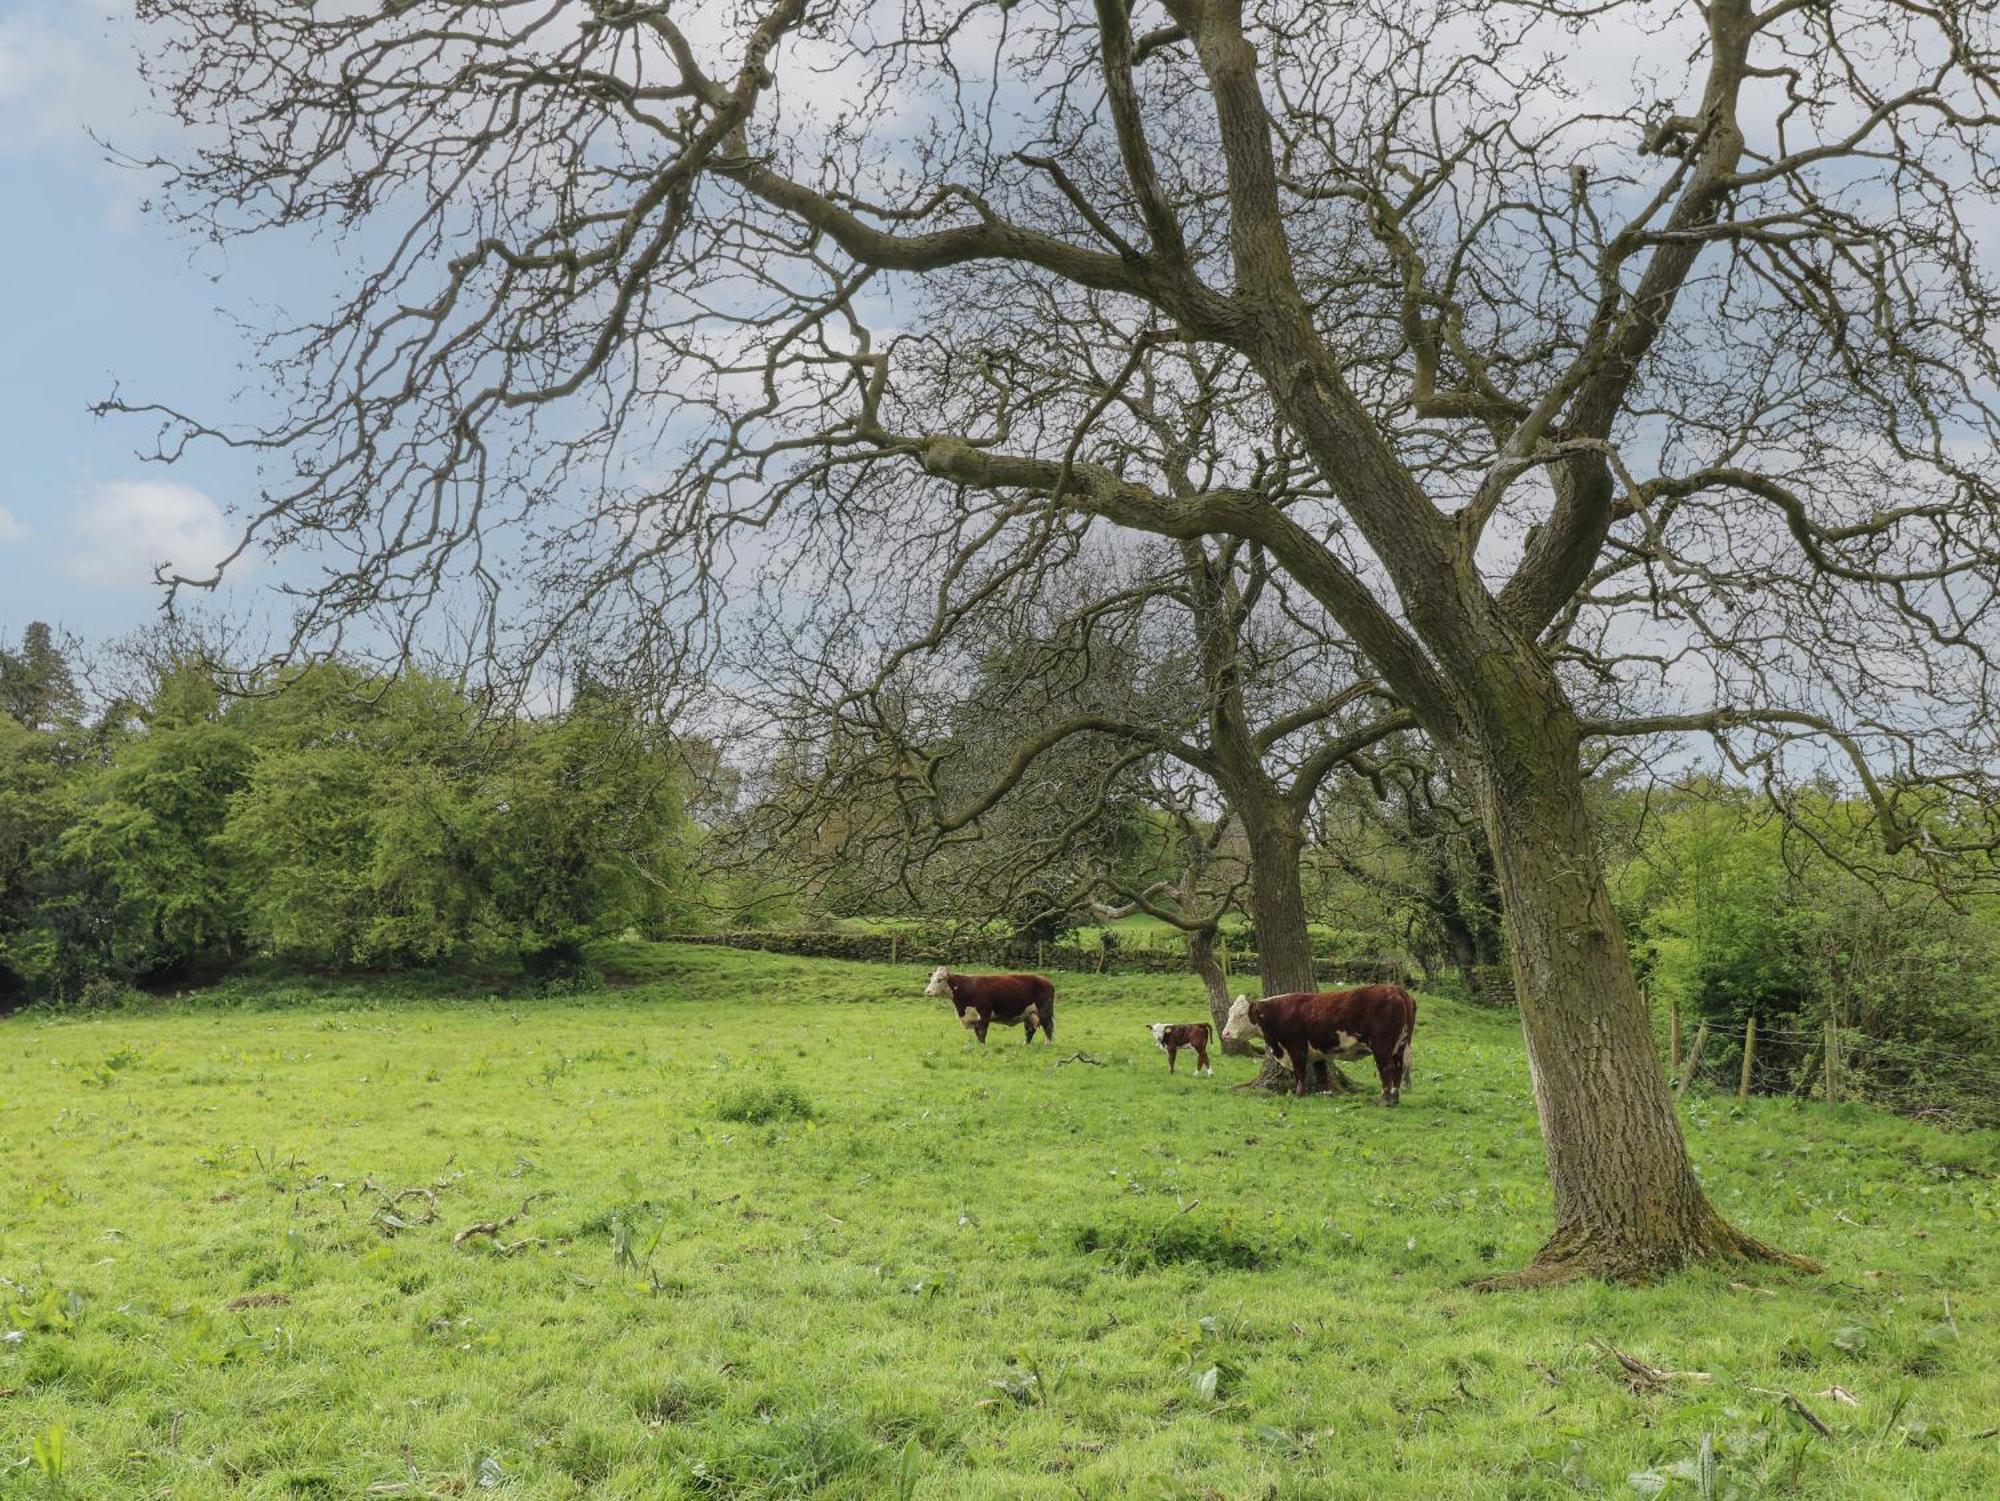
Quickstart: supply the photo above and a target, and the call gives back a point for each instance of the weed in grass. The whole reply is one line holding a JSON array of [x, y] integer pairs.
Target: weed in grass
[[761, 1104], [1146, 1245], [51, 1456]]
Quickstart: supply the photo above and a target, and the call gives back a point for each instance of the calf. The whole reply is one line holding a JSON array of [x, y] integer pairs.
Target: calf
[[1173, 1036], [981, 1000], [1372, 1020]]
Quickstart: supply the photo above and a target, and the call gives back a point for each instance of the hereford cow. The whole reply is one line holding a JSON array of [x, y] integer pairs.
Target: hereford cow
[[1370, 1021], [1173, 1036], [981, 1000]]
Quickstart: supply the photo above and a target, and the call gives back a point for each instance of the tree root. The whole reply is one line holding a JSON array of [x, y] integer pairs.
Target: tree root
[[1276, 1076], [1574, 1256]]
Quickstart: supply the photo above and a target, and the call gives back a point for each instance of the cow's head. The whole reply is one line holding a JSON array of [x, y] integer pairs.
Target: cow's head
[[1159, 1031], [1238, 1027], [940, 982]]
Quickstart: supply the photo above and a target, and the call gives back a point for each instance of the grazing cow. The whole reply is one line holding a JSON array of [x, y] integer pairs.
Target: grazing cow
[[1372, 1020], [981, 1000], [1173, 1036]]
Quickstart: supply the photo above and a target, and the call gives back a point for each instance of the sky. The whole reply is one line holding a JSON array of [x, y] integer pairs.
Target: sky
[[95, 295]]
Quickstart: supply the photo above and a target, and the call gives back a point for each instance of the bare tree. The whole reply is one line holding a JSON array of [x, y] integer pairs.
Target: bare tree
[[1206, 889], [1185, 670], [1165, 660], [1629, 408]]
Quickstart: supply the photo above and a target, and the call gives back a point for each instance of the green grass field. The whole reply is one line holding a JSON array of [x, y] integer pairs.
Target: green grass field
[[774, 1228]]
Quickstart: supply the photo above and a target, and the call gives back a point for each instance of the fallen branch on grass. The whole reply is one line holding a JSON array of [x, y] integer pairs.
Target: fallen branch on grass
[[1081, 1058], [1792, 1403], [1648, 1375], [494, 1227]]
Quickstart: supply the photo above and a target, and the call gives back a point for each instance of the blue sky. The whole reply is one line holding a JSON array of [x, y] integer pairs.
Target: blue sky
[[93, 293]]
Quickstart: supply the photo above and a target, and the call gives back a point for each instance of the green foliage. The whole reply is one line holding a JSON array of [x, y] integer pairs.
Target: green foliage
[[142, 883], [34, 809], [334, 819], [1737, 913], [353, 836], [37, 689], [897, 1301]]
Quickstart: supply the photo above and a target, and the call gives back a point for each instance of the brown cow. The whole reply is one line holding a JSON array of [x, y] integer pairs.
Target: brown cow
[[1173, 1036], [1371, 1020], [981, 1000]]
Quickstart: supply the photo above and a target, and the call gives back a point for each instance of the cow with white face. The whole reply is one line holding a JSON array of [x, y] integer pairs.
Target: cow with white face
[[1304, 1026], [1173, 1036], [980, 1000]]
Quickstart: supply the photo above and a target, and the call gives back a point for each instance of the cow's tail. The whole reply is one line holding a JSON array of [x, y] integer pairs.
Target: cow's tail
[[1048, 1010], [1403, 1041]]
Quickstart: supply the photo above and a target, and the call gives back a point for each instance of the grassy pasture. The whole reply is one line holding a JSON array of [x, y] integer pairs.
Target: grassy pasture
[[777, 1229]]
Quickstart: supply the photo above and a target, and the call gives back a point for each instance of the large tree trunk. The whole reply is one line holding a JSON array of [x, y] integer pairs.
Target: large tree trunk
[[1277, 899], [1278, 909], [1203, 961], [1627, 1203]]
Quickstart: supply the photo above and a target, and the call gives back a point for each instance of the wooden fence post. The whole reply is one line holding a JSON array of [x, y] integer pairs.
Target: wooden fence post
[[1041, 954], [1749, 1053], [1673, 1032], [1224, 946], [1832, 1063], [1694, 1058], [892, 945]]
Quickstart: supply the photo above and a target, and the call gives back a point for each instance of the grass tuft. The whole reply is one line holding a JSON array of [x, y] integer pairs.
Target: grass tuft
[[761, 1104], [1145, 1245]]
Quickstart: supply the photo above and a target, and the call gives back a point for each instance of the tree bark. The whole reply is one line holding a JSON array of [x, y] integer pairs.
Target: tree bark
[[1203, 961], [1278, 910], [1627, 1203], [1277, 897]]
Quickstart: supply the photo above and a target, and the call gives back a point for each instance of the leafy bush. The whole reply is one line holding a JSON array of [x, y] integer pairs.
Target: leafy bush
[[1736, 914], [338, 818]]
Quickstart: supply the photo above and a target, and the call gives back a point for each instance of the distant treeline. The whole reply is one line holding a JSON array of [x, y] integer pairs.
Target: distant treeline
[[348, 820]]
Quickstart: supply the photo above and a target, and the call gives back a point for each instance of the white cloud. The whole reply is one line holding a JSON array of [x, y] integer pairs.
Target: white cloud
[[127, 528], [12, 528]]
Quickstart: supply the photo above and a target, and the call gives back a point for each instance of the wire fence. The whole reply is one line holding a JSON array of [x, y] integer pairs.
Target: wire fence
[[1950, 1085]]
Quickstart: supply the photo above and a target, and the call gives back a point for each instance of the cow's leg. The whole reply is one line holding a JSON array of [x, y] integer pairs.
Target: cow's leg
[[1390, 1066], [1298, 1057], [1028, 1020], [1201, 1059], [979, 1027], [1322, 1075], [1173, 1052]]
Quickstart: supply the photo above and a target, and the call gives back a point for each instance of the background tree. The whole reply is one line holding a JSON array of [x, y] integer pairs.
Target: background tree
[[1186, 654], [1200, 886], [1404, 832], [1567, 366], [37, 689]]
